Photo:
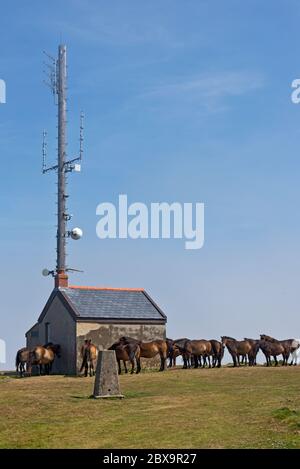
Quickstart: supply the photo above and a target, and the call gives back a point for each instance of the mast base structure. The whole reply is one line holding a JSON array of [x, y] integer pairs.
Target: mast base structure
[[57, 81]]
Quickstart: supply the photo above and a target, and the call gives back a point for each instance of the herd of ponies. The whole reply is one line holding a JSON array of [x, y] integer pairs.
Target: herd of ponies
[[194, 353]]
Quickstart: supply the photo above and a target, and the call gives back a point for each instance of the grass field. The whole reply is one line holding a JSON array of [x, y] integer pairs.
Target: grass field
[[218, 408]]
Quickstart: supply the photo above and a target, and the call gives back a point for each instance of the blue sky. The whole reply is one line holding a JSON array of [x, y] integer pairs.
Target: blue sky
[[184, 101]]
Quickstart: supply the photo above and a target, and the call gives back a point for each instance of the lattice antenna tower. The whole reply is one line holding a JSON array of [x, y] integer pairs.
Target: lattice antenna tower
[[57, 81]]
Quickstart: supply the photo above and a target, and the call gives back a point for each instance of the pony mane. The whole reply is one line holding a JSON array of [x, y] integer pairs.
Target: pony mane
[[268, 338]]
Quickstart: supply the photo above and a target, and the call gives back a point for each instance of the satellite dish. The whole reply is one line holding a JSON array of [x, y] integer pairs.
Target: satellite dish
[[76, 233], [45, 272]]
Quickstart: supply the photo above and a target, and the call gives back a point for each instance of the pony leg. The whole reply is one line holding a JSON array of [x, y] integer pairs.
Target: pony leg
[[209, 364], [125, 367], [161, 368], [267, 359], [234, 360], [119, 367], [196, 363], [287, 359], [138, 365], [219, 361], [162, 362]]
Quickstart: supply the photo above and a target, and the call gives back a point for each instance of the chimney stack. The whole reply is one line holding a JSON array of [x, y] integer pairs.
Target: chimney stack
[[61, 280]]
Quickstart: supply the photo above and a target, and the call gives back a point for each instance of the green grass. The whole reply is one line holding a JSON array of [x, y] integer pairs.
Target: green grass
[[289, 416], [219, 408]]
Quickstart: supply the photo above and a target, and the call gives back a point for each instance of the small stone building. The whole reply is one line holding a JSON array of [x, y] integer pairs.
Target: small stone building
[[74, 313]]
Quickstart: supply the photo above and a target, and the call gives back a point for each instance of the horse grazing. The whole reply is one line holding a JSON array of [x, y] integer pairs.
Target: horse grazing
[[217, 352], [254, 350], [287, 345], [44, 356], [89, 353], [149, 350], [129, 352], [236, 348], [23, 358]]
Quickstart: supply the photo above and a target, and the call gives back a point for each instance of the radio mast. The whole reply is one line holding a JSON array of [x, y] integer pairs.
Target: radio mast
[[57, 75]]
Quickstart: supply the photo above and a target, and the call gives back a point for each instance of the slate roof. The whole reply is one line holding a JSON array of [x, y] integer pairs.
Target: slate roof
[[111, 303]]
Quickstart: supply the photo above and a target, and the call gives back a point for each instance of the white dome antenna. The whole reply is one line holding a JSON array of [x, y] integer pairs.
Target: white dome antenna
[[76, 233]]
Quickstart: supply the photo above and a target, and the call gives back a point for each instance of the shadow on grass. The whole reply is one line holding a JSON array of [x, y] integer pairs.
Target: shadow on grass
[[127, 395], [80, 397]]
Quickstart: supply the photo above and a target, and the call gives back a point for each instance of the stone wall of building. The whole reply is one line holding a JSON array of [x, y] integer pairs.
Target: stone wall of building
[[104, 335], [61, 330]]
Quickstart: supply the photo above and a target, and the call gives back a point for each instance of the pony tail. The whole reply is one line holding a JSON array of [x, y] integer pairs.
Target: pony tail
[[17, 359], [84, 360]]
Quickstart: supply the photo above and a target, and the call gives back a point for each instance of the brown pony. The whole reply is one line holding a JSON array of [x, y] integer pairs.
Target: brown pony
[[254, 350], [236, 348], [44, 356], [129, 352], [271, 349], [200, 349], [287, 344], [217, 352], [149, 350], [196, 349], [89, 353], [23, 358], [173, 350]]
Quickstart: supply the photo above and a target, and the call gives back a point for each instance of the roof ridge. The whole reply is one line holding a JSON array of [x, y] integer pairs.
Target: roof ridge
[[80, 287]]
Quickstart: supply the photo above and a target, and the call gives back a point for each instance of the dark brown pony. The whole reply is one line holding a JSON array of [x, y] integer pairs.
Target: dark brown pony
[[149, 350], [44, 356], [287, 344], [23, 358], [173, 350], [217, 352], [196, 349], [254, 350], [89, 353], [271, 349], [129, 352], [236, 348]]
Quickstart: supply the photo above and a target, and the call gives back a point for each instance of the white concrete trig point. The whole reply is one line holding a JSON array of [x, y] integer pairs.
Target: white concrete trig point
[[107, 379]]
